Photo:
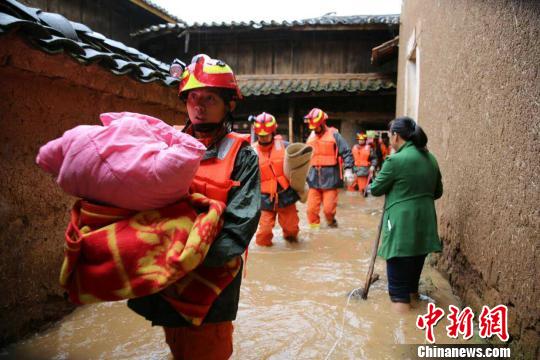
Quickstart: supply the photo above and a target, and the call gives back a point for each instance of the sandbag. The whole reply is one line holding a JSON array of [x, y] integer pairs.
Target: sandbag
[[133, 161], [296, 167]]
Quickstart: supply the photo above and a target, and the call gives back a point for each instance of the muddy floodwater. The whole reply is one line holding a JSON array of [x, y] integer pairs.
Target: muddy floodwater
[[293, 305]]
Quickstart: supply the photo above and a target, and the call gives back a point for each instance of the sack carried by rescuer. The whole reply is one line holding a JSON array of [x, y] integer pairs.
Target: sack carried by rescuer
[[133, 161], [296, 167]]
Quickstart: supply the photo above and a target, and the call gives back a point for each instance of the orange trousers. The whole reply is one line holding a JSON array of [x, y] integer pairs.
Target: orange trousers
[[328, 197], [212, 341], [361, 182], [287, 218]]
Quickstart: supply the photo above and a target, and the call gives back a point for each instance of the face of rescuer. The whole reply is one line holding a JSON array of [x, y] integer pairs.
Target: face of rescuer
[[207, 106]]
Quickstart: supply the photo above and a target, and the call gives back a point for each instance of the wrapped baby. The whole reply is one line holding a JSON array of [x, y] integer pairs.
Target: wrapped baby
[[136, 228]]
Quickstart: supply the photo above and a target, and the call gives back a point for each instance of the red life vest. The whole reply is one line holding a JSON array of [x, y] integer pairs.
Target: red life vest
[[325, 150], [213, 179], [361, 155], [271, 159]]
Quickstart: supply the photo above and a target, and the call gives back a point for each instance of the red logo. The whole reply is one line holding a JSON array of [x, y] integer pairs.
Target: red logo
[[460, 322], [491, 322], [429, 321], [494, 322]]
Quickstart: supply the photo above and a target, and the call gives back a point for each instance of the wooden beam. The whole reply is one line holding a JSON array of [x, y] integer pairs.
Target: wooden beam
[[154, 11], [385, 52]]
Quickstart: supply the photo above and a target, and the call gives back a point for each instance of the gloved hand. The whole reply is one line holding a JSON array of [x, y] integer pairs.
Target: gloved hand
[[348, 177]]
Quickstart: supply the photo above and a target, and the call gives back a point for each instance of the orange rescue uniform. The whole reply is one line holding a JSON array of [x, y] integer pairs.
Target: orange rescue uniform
[[213, 178], [209, 341], [361, 155], [274, 182], [384, 150], [325, 154]]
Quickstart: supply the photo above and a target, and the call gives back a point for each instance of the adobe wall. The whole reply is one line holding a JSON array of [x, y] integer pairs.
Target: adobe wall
[[479, 104], [42, 96]]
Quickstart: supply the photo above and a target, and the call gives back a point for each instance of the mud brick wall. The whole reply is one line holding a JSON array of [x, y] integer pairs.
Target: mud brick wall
[[479, 102], [41, 96]]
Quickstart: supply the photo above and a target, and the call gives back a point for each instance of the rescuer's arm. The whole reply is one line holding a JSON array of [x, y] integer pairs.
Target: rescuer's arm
[[344, 151], [242, 214], [373, 158]]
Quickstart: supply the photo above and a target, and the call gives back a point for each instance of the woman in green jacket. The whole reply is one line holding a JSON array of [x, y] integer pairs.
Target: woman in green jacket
[[411, 181]]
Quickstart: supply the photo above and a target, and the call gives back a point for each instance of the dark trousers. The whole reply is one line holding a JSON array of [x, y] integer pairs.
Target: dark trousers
[[403, 277]]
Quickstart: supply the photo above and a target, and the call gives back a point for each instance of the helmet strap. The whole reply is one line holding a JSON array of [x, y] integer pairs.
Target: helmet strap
[[207, 128], [266, 143]]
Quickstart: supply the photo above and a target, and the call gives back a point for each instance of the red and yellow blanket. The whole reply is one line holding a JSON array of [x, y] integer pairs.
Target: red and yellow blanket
[[116, 254]]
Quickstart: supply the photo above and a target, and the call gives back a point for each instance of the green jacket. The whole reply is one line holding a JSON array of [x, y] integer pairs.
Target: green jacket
[[411, 181]]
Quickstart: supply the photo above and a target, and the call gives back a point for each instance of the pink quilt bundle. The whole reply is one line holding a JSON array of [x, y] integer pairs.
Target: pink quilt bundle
[[133, 161]]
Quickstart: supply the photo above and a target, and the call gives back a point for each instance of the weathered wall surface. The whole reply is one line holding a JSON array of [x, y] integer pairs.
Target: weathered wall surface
[[479, 104], [41, 97]]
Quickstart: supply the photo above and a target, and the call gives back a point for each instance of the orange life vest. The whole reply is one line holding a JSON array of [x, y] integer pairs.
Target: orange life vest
[[325, 150], [271, 159], [213, 179], [384, 150], [361, 154]]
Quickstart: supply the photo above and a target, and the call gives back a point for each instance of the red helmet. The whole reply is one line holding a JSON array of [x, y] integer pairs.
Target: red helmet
[[316, 117], [265, 124], [207, 72]]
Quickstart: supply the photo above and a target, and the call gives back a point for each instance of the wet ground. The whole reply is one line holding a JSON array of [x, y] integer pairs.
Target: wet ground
[[293, 305]]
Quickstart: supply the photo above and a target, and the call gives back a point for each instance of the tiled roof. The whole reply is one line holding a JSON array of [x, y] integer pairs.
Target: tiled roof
[[257, 85], [53, 34], [161, 12], [329, 21]]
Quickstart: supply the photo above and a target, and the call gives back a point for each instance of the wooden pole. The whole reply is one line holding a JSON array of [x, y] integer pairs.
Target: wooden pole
[[291, 121], [373, 256]]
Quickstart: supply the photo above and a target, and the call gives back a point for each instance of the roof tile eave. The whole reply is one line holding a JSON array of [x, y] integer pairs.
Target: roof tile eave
[[91, 47], [392, 19]]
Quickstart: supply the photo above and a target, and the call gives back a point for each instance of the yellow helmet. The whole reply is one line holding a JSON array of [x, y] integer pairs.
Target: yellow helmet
[[316, 117], [207, 72], [361, 136], [265, 124]]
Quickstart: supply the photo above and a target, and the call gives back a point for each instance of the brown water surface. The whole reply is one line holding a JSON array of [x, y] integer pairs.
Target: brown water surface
[[293, 305]]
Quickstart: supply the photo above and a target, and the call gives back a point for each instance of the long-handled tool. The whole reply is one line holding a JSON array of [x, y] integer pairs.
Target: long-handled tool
[[370, 277], [370, 176], [373, 257]]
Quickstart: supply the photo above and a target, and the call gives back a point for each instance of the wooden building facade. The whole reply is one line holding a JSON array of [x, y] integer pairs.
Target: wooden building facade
[[114, 19], [287, 68]]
